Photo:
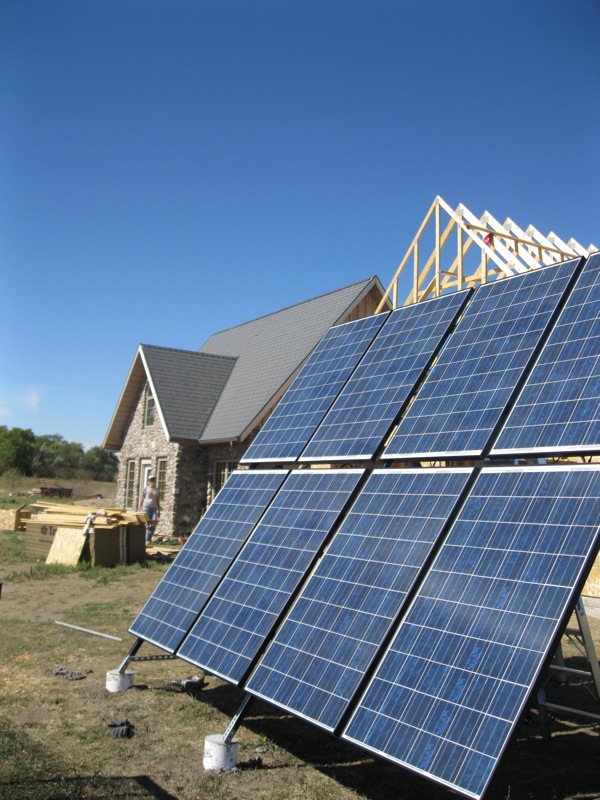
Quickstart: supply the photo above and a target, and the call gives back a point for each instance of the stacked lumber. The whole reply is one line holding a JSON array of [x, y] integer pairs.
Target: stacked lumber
[[114, 535], [68, 516]]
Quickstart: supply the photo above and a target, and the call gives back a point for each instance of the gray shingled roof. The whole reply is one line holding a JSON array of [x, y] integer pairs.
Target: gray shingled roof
[[268, 351], [222, 391], [187, 384]]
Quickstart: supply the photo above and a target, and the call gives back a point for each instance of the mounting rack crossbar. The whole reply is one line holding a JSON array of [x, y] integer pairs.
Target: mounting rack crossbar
[[132, 656], [505, 250]]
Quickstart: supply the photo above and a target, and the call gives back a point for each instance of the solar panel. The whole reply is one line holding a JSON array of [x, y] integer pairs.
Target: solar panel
[[248, 602], [363, 413], [320, 653], [558, 410], [305, 403], [452, 685], [461, 402], [175, 603]]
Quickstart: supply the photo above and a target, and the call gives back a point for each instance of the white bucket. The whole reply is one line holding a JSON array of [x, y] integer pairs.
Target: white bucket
[[219, 755], [119, 681]]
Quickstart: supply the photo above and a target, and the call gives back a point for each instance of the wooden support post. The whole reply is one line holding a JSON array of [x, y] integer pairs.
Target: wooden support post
[[416, 272], [438, 250]]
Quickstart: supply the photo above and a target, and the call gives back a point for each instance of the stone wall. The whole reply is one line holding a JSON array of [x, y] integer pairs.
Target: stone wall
[[148, 444], [189, 488]]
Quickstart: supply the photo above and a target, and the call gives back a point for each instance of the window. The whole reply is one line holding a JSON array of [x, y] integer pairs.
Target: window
[[223, 470], [149, 408], [161, 476], [130, 498]]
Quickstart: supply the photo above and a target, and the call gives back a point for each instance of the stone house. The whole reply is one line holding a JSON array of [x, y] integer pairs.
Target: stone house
[[188, 416]]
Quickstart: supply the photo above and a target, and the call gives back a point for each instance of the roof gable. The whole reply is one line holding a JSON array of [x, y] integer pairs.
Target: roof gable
[[185, 385]]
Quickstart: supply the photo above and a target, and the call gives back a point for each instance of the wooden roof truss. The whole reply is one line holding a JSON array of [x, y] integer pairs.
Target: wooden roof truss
[[441, 258]]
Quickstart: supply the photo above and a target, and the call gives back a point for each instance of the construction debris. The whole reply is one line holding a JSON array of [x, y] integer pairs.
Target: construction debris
[[71, 674], [195, 684], [121, 728]]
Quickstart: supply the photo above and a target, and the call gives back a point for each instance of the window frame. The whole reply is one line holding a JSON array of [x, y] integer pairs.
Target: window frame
[[222, 469], [149, 407], [130, 484], [161, 476]]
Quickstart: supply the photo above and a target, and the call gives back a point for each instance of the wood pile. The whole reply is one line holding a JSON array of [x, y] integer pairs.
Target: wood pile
[[67, 516], [114, 535]]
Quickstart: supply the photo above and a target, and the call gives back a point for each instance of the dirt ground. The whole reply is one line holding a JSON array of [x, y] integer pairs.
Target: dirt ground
[[61, 727]]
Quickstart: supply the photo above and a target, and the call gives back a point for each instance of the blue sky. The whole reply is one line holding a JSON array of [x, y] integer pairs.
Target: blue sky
[[170, 168]]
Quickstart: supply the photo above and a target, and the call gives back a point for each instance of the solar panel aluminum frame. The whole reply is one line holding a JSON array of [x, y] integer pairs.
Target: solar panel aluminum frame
[[542, 666], [541, 452]]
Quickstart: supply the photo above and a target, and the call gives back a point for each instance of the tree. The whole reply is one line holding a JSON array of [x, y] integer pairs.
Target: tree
[[53, 457], [17, 447], [101, 465]]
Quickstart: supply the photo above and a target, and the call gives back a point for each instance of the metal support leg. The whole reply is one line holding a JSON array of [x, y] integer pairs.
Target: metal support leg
[[129, 656], [559, 664], [236, 720], [588, 642], [543, 714]]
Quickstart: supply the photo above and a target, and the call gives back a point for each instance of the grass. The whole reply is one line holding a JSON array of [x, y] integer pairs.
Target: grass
[[12, 547], [13, 552], [40, 571], [55, 743]]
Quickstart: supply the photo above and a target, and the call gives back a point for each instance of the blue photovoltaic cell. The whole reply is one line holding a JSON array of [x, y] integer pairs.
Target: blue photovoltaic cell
[[461, 401], [363, 413], [320, 653], [305, 403], [451, 687], [186, 586], [558, 409], [240, 615]]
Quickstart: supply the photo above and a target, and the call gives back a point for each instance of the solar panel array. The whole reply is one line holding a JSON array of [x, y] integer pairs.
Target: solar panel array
[[331, 635], [452, 685], [368, 404], [462, 400], [247, 603], [175, 603], [559, 406], [410, 610], [306, 402]]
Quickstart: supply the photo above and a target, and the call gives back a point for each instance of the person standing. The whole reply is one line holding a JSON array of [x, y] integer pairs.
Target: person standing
[[150, 506]]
